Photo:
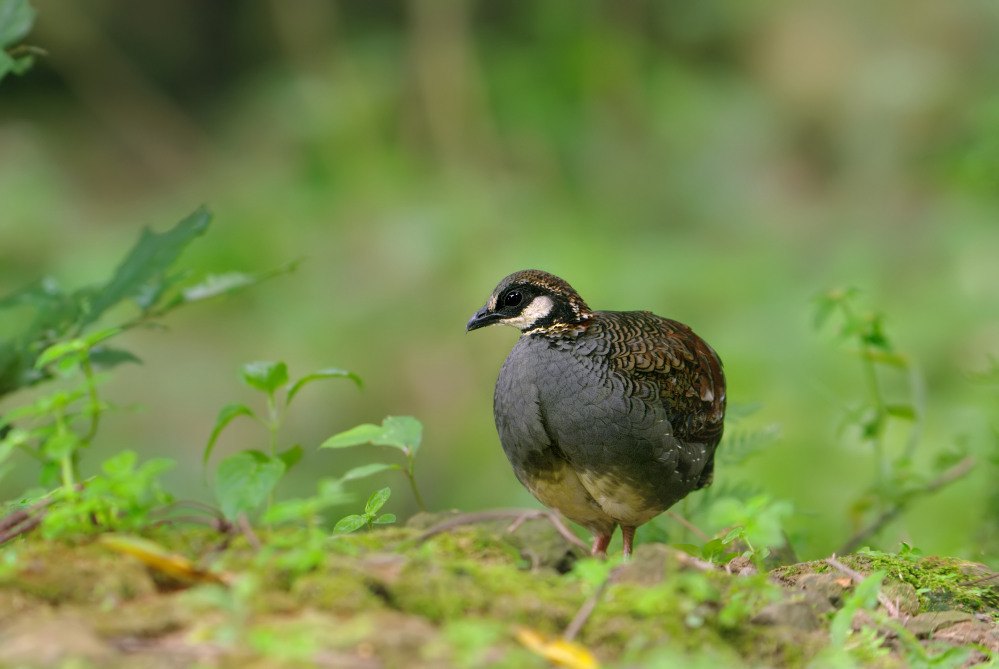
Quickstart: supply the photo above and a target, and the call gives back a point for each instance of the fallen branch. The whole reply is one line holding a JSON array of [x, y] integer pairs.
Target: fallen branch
[[954, 473], [519, 516]]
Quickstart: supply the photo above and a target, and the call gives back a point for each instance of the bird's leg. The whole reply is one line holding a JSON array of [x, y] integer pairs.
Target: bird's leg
[[627, 534], [600, 542]]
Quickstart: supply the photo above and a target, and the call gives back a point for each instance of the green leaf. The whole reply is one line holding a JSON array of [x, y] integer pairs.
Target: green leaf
[[226, 415], [215, 285], [60, 445], [367, 470], [110, 357], [147, 262], [60, 350], [385, 519], [16, 18], [402, 432], [245, 480], [230, 283], [328, 373], [264, 375], [291, 456], [377, 501], [349, 524]]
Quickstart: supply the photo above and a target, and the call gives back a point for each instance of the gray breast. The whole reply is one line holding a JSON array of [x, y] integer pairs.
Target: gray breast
[[560, 402]]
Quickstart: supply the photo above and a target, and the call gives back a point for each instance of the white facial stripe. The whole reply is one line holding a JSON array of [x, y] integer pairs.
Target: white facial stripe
[[491, 305], [539, 307]]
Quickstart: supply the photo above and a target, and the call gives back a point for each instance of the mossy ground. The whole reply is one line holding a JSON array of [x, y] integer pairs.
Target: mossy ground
[[388, 598]]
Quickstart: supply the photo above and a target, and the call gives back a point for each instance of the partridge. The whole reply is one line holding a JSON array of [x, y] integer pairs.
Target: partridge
[[608, 417]]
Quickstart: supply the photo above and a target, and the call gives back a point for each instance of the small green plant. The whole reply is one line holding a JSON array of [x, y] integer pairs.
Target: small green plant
[[120, 498], [62, 343], [370, 517], [401, 432], [757, 522], [246, 480], [896, 482]]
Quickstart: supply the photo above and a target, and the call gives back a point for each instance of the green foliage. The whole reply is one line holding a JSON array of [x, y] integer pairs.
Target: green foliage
[[61, 342], [58, 343], [401, 432], [896, 481], [370, 517], [246, 480], [16, 19], [120, 498]]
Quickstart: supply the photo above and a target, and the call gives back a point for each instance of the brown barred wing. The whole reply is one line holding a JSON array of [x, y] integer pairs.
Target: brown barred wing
[[665, 356]]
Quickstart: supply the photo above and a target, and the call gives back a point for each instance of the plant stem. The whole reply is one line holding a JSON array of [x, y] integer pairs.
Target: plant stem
[[273, 422], [95, 402], [412, 480], [68, 475]]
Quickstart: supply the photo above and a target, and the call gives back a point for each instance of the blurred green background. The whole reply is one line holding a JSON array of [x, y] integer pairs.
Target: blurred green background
[[718, 162]]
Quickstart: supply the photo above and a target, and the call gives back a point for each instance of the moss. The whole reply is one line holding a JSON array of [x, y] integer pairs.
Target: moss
[[386, 598], [62, 573], [937, 580]]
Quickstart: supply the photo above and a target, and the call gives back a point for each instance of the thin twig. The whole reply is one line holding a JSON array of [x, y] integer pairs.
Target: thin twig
[[586, 610], [689, 525], [23, 521], [244, 526], [954, 473], [891, 607], [978, 580], [519, 516]]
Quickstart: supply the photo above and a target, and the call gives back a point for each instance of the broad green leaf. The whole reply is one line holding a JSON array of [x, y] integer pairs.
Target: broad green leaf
[[291, 456], [148, 261], [402, 432], [367, 470], [329, 373], [377, 501], [245, 480], [349, 524], [385, 519], [60, 350], [264, 375], [226, 415], [16, 17]]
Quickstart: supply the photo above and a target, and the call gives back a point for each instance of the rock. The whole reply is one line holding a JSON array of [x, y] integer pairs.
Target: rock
[[793, 613], [926, 624], [51, 641]]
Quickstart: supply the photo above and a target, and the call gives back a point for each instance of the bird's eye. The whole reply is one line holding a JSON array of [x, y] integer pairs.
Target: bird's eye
[[512, 298]]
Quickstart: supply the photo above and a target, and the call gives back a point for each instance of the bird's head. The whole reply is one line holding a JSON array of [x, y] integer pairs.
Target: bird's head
[[531, 300]]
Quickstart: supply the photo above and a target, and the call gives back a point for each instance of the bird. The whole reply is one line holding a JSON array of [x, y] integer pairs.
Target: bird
[[607, 417]]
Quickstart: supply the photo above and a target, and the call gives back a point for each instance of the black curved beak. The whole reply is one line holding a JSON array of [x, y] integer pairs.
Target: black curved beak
[[481, 319]]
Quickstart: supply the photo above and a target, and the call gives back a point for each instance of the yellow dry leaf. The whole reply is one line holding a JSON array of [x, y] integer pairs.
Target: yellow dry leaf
[[156, 557], [558, 651]]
